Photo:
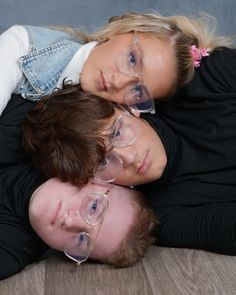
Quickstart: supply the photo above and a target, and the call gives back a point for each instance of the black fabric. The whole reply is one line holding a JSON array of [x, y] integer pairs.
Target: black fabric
[[19, 245], [196, 197]]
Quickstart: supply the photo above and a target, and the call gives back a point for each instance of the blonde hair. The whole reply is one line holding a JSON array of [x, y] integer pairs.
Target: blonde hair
[[180, 31]]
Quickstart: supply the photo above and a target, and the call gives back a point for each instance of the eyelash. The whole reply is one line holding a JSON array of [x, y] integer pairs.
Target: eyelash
[[92, 207], [132, 59], [138, 90], [115, 133]]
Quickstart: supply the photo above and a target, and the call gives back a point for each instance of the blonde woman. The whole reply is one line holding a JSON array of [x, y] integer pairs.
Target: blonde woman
[[131, 60]]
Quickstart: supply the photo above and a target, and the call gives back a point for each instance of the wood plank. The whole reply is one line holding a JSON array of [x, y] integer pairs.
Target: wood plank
[[64, 277], [163, 271], [30, 281], [225, 266], [185, 271]]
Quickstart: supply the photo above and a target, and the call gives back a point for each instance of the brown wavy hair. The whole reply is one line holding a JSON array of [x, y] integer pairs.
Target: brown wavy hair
[[62, 133]]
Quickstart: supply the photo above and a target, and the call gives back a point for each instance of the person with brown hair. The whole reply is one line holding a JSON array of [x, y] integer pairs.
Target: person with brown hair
[[64, 145], [100, 221]]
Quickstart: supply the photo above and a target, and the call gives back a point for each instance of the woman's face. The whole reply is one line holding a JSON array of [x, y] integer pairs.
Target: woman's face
[[105, 71]]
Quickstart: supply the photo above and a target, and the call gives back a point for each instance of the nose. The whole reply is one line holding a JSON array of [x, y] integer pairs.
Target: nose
[[73, 222], [127, 154], [121, 81]]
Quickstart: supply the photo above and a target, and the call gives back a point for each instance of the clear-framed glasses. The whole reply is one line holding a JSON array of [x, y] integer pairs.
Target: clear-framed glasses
[[130, 63], [122, 133], [92, 210]]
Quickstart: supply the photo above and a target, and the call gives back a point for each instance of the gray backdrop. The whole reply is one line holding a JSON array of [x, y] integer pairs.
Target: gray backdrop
[[89, 14]]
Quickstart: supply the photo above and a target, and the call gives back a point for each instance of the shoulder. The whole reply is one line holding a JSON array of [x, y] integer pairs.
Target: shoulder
[[221, 59], [17, 37], [15, 30], [216, 75], [19, 247], [41, 37]]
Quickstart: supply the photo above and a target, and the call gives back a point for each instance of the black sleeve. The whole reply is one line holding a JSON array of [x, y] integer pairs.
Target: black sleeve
[[216, 75], [210, 227], [19, 244], [11, 120]]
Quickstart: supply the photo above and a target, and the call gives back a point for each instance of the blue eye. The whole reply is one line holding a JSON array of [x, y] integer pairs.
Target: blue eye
[[132, 59], [94, 207], [116, 133], [81, 238], [138, 90], [104, 162]]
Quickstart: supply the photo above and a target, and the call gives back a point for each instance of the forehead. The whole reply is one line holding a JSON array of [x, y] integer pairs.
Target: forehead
[[159, 67], [115, 119], [120, 216], [54, 189], [158, 60]]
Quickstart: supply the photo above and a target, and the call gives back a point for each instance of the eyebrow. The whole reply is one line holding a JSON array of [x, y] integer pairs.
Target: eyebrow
[[138, 43]]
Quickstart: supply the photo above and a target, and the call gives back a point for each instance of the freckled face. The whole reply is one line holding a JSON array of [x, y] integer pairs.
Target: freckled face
[[101, 76]]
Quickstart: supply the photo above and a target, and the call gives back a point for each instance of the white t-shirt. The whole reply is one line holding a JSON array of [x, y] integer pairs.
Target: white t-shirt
[[14, 43]]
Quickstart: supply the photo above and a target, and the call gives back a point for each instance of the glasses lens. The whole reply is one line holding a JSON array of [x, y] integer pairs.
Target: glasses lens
[[93, 208], [110, 169], [139, 99], [78, 247], [124, 132], [129, 61]]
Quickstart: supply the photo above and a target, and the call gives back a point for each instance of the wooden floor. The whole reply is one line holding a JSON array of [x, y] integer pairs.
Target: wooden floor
[[163, 271]]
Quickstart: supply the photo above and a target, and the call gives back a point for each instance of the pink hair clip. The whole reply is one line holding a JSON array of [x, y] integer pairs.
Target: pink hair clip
[[198, 54]]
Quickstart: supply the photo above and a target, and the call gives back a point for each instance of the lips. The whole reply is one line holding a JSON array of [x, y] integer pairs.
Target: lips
[[144, 165], [57, 212], [103, 83]]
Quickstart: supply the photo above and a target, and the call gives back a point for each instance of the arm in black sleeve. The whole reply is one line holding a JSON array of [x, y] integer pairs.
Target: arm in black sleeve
[[209, 227], [11, 120], [19, 244], [216, 75]]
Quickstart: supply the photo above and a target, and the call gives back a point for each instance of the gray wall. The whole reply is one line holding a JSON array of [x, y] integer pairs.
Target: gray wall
[[89, 14]]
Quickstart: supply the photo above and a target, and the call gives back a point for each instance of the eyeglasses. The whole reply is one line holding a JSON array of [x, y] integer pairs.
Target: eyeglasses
[[130, 63], [123, 132], [92, 210]]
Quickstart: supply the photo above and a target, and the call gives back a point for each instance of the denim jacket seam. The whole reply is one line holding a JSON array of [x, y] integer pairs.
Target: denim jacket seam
[[44, 51]]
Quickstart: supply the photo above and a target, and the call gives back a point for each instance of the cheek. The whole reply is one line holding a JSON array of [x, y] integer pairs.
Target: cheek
[[102, 54], [55, 239], [161, 80], [118, 96], [39, 216], [126, 177]]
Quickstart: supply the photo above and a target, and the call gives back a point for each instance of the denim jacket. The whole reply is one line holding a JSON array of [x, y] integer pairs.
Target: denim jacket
[[50, 52]]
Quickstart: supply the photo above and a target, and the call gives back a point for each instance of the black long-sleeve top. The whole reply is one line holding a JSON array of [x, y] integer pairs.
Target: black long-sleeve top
[[196, 197], [19, 245]]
